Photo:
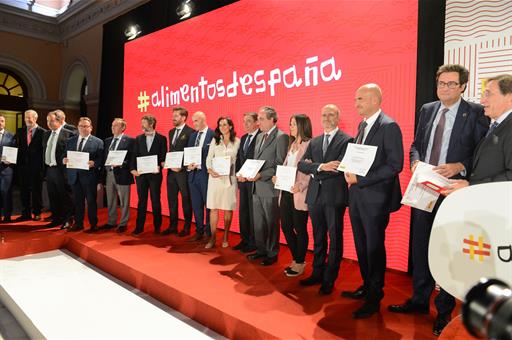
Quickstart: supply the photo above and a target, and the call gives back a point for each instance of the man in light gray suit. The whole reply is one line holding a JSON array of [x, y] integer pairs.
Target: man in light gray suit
[[271, 146]]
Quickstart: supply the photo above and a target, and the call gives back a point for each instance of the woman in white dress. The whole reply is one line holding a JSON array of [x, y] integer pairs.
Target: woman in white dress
[[222, 185]]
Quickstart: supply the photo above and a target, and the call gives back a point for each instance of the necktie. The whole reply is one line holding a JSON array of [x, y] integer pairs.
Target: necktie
[[325, 145], [360, 132], [263, 140], [491, 129], [114, 144], [29, 136], [81, 144], [49, 149], [175, 138], [435, 153], [198, 138], [247, 143]]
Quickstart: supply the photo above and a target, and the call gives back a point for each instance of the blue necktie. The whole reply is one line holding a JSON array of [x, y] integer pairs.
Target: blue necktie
[[491, 129]]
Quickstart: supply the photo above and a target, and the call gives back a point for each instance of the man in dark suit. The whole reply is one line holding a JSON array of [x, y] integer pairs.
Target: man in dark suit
[[29, 140], [373, 197], [198, 176], [492, 160], [327, 198], [84, 182], [246, 216], [271, 146], [150, 143], [59, 191], [6, 174], [177, 177], [118, 178], [66, 125], [447, 133]]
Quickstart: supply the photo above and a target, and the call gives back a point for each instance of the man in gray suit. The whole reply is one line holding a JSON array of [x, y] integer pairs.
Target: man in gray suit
[[271, 146]]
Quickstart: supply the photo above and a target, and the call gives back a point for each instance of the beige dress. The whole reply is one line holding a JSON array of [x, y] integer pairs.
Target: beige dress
[[222, 190]]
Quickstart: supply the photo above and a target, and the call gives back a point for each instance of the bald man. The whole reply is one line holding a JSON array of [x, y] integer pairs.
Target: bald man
[[373, 197], [198, 176]]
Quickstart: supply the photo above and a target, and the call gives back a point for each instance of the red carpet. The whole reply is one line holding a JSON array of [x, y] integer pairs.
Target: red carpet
[[222, 290]]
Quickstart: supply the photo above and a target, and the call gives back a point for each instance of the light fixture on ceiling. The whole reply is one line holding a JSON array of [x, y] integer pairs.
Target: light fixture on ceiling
[[132, 32], [185, 9]]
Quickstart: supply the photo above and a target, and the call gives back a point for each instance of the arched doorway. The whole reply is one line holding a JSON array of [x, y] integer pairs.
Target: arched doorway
[[13, 99]]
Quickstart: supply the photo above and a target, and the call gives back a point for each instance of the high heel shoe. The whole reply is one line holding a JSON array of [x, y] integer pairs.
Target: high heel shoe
[[225, 244], [211, 243]]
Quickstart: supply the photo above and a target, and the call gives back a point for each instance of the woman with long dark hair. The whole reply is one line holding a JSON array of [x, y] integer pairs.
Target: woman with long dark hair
[[222, 189]]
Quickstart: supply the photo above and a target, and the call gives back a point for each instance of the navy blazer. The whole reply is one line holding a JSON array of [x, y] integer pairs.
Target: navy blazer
[[121, 173], [241, 157], [493, 157], [380, 188], [469, 128], [7, 140], [202, 173], [30, 156], [94, 146], [325, 187]]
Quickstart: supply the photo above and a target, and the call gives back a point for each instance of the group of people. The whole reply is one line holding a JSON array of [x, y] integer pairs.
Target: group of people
[[454, 135]]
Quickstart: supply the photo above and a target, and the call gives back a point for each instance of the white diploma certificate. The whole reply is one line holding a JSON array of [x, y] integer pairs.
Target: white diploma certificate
[[285, 177], [116, 157], [173, 160], [10, 154], [192, 155], [222, 165], [358, 159], [147, 164], [418, 195], [250, 168], [78, 160]]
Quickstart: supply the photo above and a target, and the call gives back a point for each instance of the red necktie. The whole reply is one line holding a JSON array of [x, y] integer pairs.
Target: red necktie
[[29, 136]]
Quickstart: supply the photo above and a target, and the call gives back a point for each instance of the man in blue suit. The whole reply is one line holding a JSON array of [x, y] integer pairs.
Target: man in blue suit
[[84, 182], [374, 197], [6, 174], [198, 174], [447, 134]]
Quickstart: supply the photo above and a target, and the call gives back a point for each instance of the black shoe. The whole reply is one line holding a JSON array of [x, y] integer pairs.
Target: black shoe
[[440, 324], [52, 224], [326, 288], [255, 256], [22, 218], [136, 232], [48, 219], [184, 232], [7, 219], [311, 281], [269, 261], [76, 227], [196, 238], [239, 246], [408, 308], [170, 231], [92, 230], [367, 310], [357, 294], [121, 229], [107, 227], [68, 225], [248, 249], [157, 232]]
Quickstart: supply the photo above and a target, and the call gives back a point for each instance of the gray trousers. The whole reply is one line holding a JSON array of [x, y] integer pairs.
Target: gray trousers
[[266, 225], [114, 190]]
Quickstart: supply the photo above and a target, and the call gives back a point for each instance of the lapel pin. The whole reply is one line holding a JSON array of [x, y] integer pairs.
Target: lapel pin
[[464, 115]]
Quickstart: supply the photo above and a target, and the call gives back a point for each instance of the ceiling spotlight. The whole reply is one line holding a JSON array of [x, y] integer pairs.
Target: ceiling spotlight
[[132, 32], [185, 9]]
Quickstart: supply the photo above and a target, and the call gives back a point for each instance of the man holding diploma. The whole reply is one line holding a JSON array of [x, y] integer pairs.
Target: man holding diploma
[[177, 177], [84, 182], [150, 143], [6, 174], [118, 177], [372, 198]]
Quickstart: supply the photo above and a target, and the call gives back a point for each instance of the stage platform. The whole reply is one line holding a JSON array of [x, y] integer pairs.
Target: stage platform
[[222, 290]]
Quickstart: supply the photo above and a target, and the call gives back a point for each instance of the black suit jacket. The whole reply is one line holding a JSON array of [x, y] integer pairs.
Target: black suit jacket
[[60, 148], [325, 187], [493, 157], [182, 141], [30, 156], [240, 156], [380, 188], [71, 127], [158, 147], [121, 173], [468, 129]]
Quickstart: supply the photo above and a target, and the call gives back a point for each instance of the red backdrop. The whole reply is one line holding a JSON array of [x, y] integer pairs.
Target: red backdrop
[[296, 56]]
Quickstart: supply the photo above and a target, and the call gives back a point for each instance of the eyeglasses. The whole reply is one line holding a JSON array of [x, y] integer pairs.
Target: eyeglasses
[[450, 84]]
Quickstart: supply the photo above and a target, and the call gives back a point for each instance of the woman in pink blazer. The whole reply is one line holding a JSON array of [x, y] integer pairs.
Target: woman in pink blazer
[[292, 207]]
